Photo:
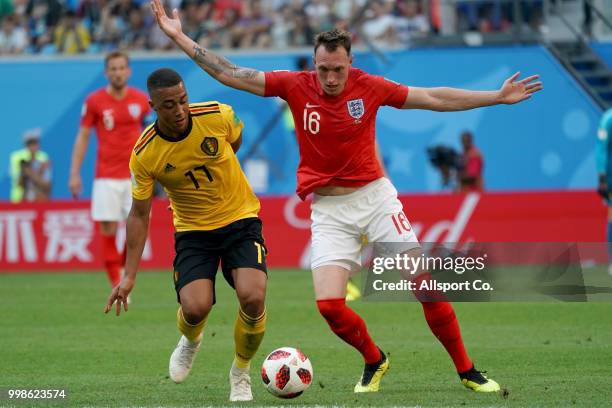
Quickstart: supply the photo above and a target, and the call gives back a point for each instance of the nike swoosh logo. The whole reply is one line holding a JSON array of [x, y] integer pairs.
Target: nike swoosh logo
[[308, 105]]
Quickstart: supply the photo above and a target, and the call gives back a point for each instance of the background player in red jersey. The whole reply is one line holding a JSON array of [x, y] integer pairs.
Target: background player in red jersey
[[117, 113], [334, 109]]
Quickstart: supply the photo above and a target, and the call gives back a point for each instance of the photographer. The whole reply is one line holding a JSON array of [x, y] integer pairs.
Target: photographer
[[472, 165], [30, 171], [461, 172]]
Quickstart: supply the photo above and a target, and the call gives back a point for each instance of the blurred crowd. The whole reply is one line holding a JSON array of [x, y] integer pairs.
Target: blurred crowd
[[80, 26]]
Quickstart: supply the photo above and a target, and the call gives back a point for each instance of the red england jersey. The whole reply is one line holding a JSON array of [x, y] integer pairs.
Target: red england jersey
[[118, 124], [335, 133]]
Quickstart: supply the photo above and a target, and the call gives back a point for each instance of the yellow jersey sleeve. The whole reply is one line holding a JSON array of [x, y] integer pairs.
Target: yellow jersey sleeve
[[234, 123], [142, 180]]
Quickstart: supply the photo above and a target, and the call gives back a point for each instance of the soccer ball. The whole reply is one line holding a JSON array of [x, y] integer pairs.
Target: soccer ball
[[286, 372]]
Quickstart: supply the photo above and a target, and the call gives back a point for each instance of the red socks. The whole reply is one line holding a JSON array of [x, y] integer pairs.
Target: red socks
[[443, 323], [112, 259], [349, 327]]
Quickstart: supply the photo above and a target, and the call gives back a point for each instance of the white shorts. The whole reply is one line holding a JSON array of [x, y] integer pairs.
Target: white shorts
[[339, 224], [111, 199]]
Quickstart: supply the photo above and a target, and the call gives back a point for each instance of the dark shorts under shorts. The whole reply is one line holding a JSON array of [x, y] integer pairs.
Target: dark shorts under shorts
[[237, 245]]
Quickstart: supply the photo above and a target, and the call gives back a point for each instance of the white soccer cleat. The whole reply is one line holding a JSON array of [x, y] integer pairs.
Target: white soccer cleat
[[182, 358], [240, 384]]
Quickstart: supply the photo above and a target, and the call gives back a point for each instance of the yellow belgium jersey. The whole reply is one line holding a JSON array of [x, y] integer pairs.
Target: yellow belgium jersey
[[199, 170]]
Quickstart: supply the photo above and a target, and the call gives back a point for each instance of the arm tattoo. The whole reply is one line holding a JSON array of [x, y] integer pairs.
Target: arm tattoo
[[201, 58], [219, 65], [244, 73]]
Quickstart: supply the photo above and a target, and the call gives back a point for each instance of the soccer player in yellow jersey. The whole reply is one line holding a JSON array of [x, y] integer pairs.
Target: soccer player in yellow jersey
[[190, 150]]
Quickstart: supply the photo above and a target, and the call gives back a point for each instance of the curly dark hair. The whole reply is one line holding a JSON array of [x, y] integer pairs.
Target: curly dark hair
[[163, 78]]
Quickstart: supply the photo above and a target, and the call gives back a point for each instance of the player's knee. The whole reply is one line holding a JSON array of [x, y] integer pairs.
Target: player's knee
[[252, 303], [422, 284], [195, 311], [331, 309]]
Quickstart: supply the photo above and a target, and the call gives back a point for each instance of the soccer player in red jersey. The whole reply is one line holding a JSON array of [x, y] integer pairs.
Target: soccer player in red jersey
[[117, 113], [334, 109]]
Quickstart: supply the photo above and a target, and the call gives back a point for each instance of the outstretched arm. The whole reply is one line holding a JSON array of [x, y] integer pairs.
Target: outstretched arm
[[216, 66], [453, 99]]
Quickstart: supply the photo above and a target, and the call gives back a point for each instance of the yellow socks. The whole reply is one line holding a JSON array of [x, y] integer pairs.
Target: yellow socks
[[193, 332], [248, 334]]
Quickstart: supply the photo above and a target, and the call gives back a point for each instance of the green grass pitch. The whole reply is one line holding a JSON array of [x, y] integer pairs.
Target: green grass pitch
[[53, 334]]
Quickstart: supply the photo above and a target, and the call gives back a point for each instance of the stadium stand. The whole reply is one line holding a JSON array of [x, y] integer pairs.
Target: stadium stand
[[41, 26]]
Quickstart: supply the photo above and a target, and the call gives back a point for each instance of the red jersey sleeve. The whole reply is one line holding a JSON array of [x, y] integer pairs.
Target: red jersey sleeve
[[278, 83], [88, 113], [391, 93]]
